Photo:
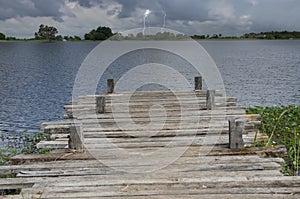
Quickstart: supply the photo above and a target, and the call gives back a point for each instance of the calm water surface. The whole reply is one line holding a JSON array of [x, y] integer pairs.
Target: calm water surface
[[36, 79]]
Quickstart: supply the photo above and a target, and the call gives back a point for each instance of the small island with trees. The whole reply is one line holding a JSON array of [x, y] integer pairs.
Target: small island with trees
[[50, 34]]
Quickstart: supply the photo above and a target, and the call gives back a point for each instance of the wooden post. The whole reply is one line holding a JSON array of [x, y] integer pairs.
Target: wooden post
[[110, 85], [76, 137], [210, 99], [236, 129], [100, 104], [198, 83]]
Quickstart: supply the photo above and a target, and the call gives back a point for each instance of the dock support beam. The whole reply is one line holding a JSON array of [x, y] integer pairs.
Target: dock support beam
[[110, 85], [236, 130], [210, 99], [76, 137], [100, 104], [198, 83]]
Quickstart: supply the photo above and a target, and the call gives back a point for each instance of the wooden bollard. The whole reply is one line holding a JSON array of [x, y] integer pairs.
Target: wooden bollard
[[76, 138], [236, 129], [100, 104], [198, 83], [110, 85], [210, 99]]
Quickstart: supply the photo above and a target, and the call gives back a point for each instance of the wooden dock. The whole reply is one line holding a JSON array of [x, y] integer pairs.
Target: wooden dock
[[216, 158]]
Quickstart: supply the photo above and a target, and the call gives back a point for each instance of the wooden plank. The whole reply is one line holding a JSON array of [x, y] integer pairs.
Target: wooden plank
[[167, 106], [276, 151], [217, 111], [142, 166], [57, 129], [146, 94], [143, 101], [68, 164], [203, 196], [57, 144], [175, 114], [163, 189], [59, 136], [139, 101], [58, 123]]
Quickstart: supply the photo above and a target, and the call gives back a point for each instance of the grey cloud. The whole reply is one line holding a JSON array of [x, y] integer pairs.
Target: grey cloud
[[192, 16], [31, 8], [91, 3], [175, 9]]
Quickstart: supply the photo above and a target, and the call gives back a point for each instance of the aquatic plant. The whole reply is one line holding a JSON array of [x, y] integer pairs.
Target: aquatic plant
[[282, 125], [30, 140]]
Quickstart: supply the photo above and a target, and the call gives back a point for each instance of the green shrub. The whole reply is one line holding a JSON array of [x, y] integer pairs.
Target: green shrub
[[282, 125]]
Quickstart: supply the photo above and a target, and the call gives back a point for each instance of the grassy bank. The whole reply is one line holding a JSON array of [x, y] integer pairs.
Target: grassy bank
[[282, 125], [29, 148]]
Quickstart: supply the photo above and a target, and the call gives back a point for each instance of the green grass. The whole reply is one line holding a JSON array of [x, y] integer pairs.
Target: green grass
[[29, 148], [282, 125]]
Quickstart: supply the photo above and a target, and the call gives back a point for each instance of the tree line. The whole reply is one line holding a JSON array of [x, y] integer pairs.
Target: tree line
[[49, 33]]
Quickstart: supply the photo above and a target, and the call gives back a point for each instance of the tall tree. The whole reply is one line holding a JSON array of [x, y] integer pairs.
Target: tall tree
[[101, 33], [46, 33], [2, 36]]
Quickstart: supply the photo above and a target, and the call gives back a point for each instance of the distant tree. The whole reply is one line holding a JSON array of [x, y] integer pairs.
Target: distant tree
[[11, 38], [77, 38], [101, 33], [2, 36], [46, 33], [198, 37], [70, 38], [58, 38], [139, 35]]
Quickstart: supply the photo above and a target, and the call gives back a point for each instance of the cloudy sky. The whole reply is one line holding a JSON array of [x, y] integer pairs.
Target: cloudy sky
[[21, 18]]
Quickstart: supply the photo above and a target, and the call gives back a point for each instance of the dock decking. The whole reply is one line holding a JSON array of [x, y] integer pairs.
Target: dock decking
[[119, 153]]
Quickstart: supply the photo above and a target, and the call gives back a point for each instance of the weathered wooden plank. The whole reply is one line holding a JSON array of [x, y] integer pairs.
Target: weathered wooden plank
[[57, 144], [175, 114], [68, 164], [197, 122], [203, 196], [146, 94], [217, 111], [211, 182], [57, 129], [178, 105], [148, 142], [142, 166], [59, 136], [276, 151], [56, 123], [154, 127], [138, 101], [164, 189]]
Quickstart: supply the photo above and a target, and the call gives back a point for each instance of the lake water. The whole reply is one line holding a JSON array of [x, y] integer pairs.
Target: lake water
[[37, 79]]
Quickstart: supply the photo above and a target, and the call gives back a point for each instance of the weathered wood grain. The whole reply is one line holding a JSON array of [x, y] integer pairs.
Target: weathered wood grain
[[201, 163]]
